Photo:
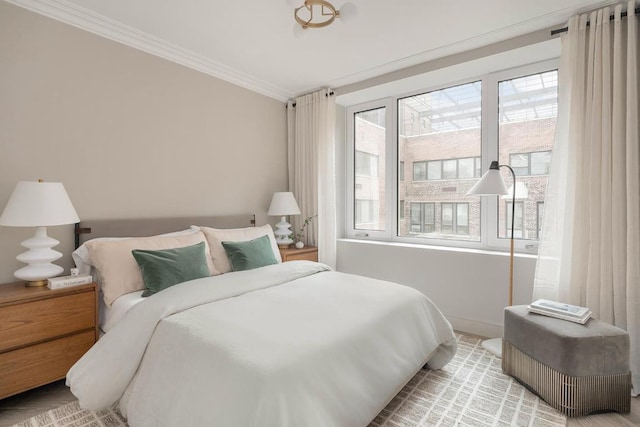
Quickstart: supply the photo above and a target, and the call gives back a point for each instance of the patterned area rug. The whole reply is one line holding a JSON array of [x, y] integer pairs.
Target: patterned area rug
[[470, 391]]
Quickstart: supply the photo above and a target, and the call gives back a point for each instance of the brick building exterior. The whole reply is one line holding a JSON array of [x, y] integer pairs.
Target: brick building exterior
[[437, 169]]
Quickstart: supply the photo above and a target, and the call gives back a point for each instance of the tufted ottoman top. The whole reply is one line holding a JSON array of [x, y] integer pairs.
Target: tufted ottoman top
[[595, 348]]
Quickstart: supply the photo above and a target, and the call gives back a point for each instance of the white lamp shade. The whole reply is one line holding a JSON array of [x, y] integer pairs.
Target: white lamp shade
[[491, 183], [348, 12], [35, 204], [522, 192], [283, 203]]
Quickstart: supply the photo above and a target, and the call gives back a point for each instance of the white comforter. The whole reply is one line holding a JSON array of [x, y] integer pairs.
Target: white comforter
[[292, 344]]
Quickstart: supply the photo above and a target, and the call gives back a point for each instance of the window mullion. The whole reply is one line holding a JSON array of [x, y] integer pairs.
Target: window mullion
[[392, 181], [488, 205]]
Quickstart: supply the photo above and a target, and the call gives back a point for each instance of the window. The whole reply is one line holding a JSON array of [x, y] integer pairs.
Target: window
[[446, 154], [455, 218], [419, 171], [447, 169], [369, 189], [540, 211], [530, 163], [434, 170], [466, 168], [540, 162], [445, 137], [423, 217], [518, 224], [527, 108]]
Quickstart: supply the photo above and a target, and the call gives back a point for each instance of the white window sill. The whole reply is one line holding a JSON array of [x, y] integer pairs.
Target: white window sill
[[438, 248]]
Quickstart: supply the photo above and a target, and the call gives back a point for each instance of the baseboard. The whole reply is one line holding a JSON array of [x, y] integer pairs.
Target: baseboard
[[476, 327]]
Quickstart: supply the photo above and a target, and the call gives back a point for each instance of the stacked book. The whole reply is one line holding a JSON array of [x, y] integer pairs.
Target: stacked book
[[572, 313], [68, 281]]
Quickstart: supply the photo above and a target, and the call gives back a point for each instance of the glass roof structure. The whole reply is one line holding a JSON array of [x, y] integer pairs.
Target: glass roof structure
[[460, 107]]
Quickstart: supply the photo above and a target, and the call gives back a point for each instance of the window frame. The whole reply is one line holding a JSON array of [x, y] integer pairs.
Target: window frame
[[422, 224], [489, 151], [389, 198], [529, 162]]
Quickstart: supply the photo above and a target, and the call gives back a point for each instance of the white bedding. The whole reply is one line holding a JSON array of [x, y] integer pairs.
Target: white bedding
[[291, 344], [110, 316]]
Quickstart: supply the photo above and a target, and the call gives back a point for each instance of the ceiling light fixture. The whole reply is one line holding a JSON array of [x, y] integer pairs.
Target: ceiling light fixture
[[320, 13]]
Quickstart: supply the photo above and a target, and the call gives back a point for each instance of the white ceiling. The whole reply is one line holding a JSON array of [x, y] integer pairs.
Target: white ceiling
[[251, 42]]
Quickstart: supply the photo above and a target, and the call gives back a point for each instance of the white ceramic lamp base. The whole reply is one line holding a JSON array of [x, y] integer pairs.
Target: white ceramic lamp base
[[493, 346], [38, 259], [283, 233]]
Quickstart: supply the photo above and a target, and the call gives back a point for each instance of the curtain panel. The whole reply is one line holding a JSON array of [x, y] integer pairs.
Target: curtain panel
[[589, 251], [311, 162]]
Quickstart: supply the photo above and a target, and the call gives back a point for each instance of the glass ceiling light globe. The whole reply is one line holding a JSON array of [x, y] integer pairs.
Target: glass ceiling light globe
[[348, 12], [295, 3]]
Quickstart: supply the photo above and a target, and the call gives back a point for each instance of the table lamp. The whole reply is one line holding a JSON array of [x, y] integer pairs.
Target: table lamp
[[283, 204], [38, 204]]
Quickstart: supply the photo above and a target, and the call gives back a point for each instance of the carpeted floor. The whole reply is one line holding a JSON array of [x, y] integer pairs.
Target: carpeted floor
[[470, 391]]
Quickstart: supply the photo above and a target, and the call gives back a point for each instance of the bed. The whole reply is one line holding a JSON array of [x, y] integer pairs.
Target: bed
[[280, 344]]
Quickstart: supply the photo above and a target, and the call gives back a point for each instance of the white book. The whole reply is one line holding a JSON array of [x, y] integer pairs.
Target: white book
[[572, 313], [68, 281]]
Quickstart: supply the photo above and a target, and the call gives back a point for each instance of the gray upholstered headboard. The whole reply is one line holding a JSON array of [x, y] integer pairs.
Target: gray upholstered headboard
[[142, 227]]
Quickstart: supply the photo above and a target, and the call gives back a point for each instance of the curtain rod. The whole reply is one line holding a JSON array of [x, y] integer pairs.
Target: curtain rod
[[331, 93], [611, 18]]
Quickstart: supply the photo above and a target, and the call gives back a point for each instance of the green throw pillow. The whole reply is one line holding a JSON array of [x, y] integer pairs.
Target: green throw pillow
[[164, 268], [250, 254]]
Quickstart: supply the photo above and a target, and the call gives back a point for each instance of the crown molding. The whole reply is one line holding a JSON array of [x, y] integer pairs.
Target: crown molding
[[72, 14]]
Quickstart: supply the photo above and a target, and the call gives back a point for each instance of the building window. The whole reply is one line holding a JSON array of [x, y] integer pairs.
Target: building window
[[466, 168], [439, 139], [518, 225], [423, 217], [434, 170], [540, 212], [447, 169], [419, 171], [455, 218], [524, 164]]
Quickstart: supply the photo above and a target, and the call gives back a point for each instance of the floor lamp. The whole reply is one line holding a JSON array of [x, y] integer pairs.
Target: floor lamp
[[492, 184]]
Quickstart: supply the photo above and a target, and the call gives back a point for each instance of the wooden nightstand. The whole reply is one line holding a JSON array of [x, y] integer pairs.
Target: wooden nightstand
[[43, 333], [309, 253]]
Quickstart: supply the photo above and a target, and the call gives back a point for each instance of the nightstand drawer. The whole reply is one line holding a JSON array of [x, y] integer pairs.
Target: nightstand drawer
[[40, 364], [308, 256], [32, 322]]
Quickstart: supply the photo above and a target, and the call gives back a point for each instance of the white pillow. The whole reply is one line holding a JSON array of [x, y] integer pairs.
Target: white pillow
[[215, 237], [118, 270], [83, 261]]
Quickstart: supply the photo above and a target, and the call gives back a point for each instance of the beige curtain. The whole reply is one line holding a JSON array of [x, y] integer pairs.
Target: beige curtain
[[590, 247], [311, 160]]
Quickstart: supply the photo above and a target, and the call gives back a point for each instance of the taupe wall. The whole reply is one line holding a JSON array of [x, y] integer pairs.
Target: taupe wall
[[129, 134]]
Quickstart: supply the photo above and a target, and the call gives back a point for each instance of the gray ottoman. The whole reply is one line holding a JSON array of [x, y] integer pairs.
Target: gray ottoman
[[577, 369]]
